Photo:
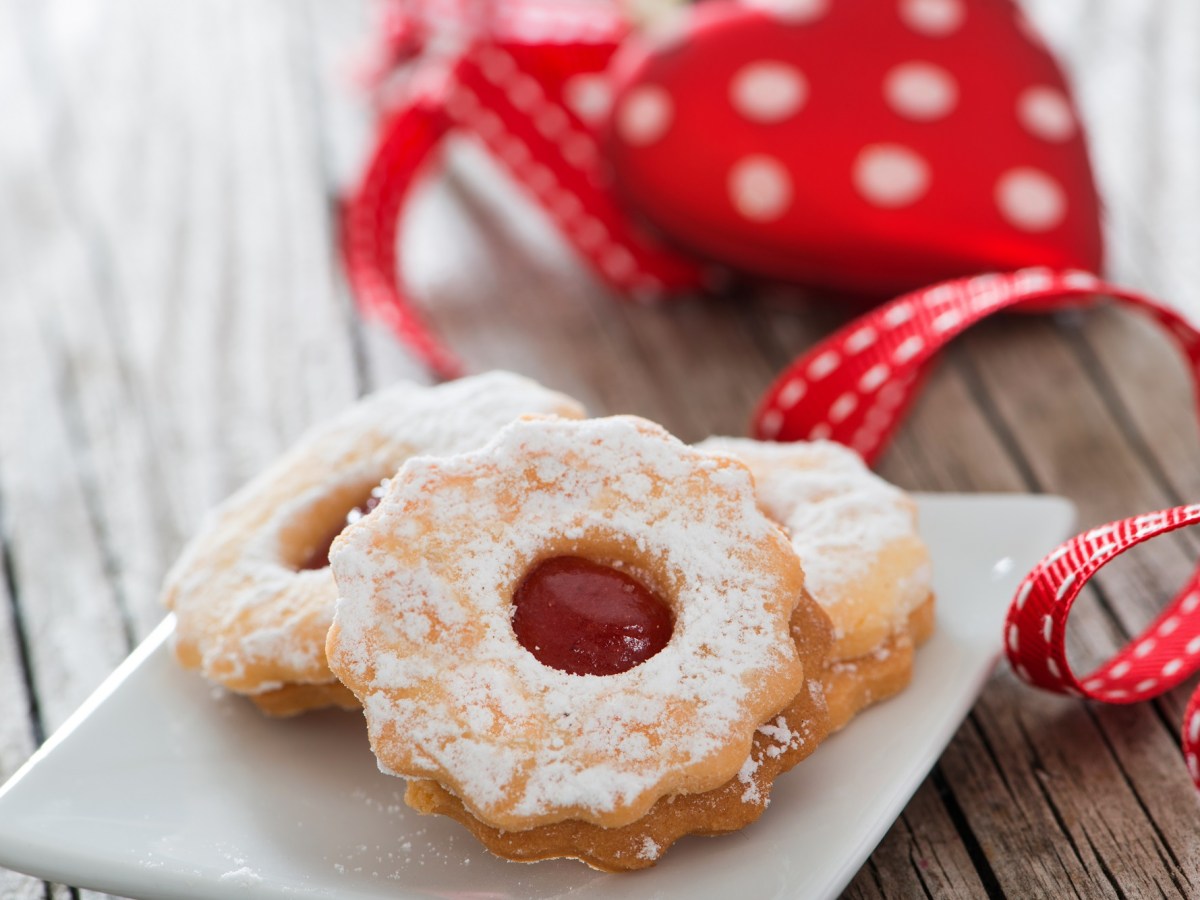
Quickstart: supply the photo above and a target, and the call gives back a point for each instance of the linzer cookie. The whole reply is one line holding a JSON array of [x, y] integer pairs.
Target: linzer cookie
[[863, 561], [253, 592], [582, 640]]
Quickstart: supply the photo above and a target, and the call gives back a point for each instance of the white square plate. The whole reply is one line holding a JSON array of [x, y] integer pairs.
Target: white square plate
[[160, 787]]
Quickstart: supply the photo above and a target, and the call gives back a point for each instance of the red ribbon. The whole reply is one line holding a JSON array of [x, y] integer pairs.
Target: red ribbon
[[371, 223], [497, 75], [853, 388]]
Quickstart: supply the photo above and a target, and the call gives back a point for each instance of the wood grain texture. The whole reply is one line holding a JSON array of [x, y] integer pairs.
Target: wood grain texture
[[172, 315]]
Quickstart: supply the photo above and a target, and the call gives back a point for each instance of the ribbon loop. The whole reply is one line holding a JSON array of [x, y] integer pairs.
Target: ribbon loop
[[1159, 659], [853, 388], [371, 220], [546, 147], [502, 71]]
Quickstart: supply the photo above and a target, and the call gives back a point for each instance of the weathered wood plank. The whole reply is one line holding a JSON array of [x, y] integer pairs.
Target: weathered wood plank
[[18, 713], [1152, 403], [21, 719], [95, 356], [1026, 848], [1086, 456], [153, 333], [80, 300], [71, 624], [922, 855]]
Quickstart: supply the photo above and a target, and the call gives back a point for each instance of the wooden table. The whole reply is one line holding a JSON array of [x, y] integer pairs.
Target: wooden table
[[172, 314]]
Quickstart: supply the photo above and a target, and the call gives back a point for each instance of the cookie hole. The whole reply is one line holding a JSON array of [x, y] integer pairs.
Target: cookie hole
[[586, 618], [329, 521]]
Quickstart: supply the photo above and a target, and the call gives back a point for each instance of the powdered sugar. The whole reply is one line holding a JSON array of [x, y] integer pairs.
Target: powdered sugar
[[245, 877], [779, 733], [752, 793], [841, 516], [649, 849], [779, 739], [247, 618], [428, 577]]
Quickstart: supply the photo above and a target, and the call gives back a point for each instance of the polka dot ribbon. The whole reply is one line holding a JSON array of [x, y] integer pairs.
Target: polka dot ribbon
[[370, 228], [854, 387], [512, 83]]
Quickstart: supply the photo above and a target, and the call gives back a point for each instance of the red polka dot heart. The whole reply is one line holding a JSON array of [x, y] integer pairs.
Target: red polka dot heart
[[875, 145]]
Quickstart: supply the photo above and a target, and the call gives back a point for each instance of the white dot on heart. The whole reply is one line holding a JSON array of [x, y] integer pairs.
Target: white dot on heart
[[768, 91], [589, 96], [792, 12], [645, 115], [760, 188], [1046, 113], [920, 91], [934, 18], [1030, 199], [890, 175]]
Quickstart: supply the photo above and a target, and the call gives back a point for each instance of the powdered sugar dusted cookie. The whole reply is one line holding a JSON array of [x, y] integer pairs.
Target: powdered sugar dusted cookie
[[253, 592], [584, 640], [856, 537], [779, 744]]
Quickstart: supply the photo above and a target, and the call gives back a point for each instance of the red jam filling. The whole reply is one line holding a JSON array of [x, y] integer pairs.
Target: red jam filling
[[318, 556], [587, 619]]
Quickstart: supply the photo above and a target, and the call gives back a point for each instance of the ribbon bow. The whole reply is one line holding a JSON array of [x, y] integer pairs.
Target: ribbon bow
[[525, 77]]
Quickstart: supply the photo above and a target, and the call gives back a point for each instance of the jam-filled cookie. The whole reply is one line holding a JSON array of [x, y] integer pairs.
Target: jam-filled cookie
[[253, 593], [856, 536], [584, 640]]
